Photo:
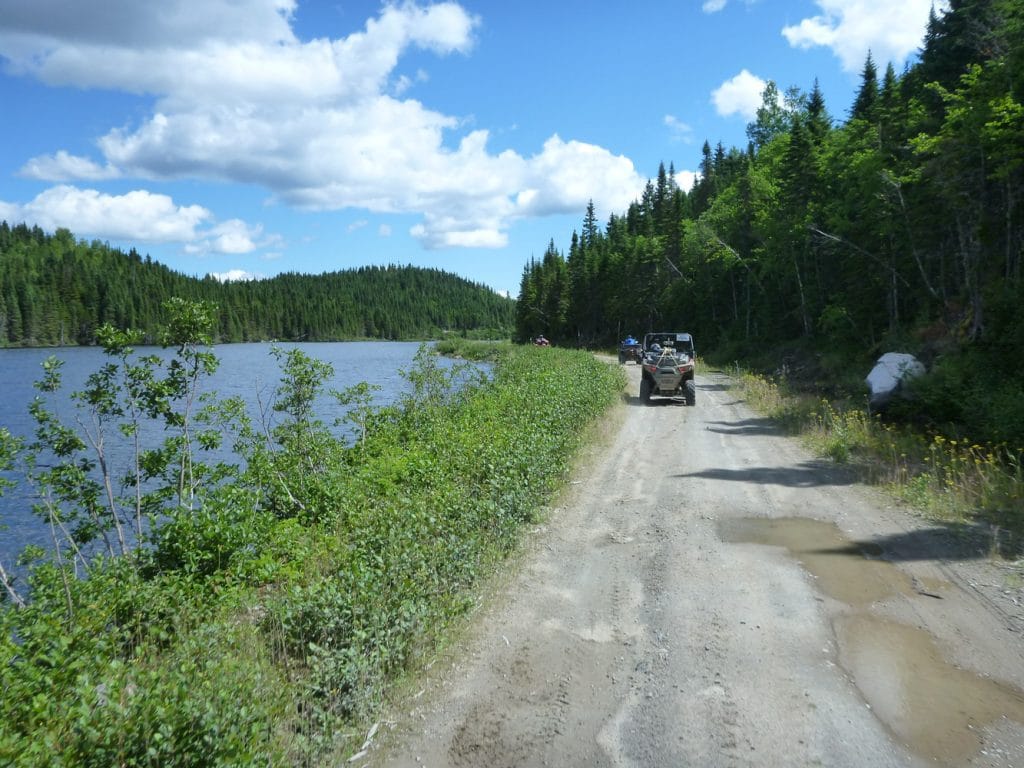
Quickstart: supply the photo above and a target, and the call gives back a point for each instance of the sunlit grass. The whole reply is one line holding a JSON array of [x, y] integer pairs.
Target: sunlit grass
[[470, 349], [955, 480], [793, 412]]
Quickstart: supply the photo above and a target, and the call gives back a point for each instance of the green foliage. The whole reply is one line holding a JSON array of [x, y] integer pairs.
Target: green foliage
[[10, 446], [472, 350], [902, 225], [965, 395], [86, 499], [127, 681], [56, 291], [304, 377], [261, 622], [952, 479]]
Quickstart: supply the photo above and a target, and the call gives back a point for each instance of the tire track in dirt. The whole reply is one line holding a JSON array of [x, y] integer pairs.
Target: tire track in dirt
[[629, 633]]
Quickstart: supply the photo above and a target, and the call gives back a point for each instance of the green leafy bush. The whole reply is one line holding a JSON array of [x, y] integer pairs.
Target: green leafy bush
[[262, 612]]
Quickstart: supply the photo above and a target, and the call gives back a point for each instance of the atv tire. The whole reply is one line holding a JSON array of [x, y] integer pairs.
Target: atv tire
[[691, 392], [645, 391]]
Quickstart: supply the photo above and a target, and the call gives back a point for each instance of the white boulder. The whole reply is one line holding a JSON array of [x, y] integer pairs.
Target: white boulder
[[888, 375]]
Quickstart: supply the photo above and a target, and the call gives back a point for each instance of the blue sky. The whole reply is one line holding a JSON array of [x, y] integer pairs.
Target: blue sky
[[252, 137]]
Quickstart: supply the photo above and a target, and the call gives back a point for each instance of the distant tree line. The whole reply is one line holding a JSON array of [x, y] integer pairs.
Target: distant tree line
[[55, 290], [901, 226]]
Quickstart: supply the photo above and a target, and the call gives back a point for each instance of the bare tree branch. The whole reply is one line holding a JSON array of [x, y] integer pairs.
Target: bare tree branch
[[903, 207], [9, 586], [734, 252], [861, 251]]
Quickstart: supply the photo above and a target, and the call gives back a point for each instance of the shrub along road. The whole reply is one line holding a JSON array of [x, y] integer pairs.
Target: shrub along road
[[706, 593]]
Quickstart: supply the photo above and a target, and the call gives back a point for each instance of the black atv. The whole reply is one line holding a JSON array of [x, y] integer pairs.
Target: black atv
[[667, 367]]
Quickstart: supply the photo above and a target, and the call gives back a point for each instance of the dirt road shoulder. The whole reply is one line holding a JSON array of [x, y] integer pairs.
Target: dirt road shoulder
[[708, 594]]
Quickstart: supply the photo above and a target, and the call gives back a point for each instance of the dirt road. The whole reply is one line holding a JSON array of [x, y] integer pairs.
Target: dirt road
[[708, 594]]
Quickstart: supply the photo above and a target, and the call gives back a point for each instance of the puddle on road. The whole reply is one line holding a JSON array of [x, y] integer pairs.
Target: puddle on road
[[935, 708], [841, 567]]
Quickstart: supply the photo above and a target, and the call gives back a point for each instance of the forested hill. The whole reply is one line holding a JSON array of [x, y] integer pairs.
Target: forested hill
[[56, 290], [899, 226]]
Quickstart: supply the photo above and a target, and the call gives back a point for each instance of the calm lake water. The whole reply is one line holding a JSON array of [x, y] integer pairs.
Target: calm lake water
[[248, 371]]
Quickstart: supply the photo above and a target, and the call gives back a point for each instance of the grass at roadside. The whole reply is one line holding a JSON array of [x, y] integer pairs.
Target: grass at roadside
[[948, 479], [469, 349], [266, 624]]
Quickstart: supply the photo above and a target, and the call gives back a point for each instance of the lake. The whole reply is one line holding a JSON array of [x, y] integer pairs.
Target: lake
[[248, 371]]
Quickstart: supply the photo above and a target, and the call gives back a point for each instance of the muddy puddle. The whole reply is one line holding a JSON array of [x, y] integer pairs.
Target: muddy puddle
[[938, 710], [843, 570]]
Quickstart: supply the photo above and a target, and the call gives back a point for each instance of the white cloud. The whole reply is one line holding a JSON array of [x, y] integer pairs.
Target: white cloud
[[404, 82], [235, 275], [686, 179], [65, 167], [451, 232], [678, 130], [235, 236], [323, 124], [741, 95], [232, 237], [205, 53], [125, 23], [713, 6], [138, 215], [10, 212], [566, 175], [892, 31]]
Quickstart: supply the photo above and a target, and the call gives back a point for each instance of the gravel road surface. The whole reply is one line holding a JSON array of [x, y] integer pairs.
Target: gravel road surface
[[707, 593]]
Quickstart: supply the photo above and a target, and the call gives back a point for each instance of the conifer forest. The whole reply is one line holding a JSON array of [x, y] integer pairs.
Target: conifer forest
[[55, 290], [839, 232]]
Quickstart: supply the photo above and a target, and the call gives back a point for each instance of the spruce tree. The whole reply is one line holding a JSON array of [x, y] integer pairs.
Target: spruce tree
[[867, 96]]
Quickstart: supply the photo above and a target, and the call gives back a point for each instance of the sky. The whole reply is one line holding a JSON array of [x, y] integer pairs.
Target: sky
[[245, 138]]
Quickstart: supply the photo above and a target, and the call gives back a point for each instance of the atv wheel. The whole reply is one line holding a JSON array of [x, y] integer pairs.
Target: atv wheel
[[645, 391], [691, 392]]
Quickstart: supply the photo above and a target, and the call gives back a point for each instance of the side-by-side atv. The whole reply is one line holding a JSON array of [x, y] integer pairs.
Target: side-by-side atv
[[667, 367], [631, 349]]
